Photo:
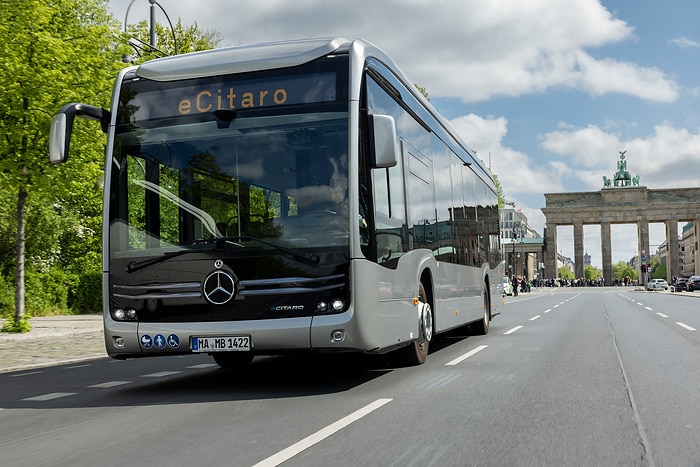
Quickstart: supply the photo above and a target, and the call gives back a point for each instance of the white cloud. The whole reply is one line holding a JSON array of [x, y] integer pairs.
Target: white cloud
[[465, 49], [685, 43], [516, 171]]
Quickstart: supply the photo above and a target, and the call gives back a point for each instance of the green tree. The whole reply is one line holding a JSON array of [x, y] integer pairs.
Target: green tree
[[565, 273], [178, 40], [622, 270], [423, 91], [657, 269], [499, 191], [46, 50], [592, 273]]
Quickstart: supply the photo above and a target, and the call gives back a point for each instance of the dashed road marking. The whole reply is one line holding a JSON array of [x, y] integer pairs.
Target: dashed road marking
[[685, 326], [662, 315], [161, 374], [110, 384], [294, 449], [50, 396], [534, 318], [26, 374], [466, 355], [511, 331]]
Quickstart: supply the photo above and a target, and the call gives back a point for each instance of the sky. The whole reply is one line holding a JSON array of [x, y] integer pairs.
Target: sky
[[547, 92]]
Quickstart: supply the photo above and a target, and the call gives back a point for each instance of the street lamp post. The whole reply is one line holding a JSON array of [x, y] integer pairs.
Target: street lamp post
[[151, 46]]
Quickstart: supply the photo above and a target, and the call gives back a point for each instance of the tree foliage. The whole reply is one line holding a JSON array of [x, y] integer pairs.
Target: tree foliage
[[46, 49], [565, 273], [55, 52], [621, 270], [189, 39], [657, 268], [592, 273]]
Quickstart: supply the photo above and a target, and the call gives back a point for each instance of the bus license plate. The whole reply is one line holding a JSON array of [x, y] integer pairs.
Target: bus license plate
[[221, 344]]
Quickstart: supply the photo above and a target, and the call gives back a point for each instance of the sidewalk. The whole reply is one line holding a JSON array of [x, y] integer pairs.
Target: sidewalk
[[53, 340]]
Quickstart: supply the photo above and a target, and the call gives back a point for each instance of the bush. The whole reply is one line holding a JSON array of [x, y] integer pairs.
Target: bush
[[86, 294], [7, 298], [20, 325], [53, 292], [46, 293]]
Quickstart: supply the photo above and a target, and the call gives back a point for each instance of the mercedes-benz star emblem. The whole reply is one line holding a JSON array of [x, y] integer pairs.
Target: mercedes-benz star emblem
[[219, 287]]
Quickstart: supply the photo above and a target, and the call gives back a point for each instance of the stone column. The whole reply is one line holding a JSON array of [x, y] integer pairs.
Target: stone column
[[696, 243], [578, 251], [671, 249], [606, 251], [550, 255], [643, 249]]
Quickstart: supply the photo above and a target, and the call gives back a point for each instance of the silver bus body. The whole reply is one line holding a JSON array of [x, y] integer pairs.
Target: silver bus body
[[383, 310]]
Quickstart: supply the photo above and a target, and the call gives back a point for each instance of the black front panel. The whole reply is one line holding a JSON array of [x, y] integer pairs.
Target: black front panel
[[197, 288]]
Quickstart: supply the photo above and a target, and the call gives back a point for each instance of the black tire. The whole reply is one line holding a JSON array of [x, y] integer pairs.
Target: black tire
[[416, 353], [233, 360], [481, 327]]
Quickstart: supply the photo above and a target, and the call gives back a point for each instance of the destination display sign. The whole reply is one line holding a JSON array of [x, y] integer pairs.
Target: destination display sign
[[226, 93]]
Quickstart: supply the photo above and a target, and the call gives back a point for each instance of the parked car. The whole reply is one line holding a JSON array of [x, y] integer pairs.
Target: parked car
[[507, 287], [656, 284], [679, 286], [693, 283]]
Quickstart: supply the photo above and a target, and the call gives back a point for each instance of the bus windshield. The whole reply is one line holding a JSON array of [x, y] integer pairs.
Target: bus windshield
[[183, 178]]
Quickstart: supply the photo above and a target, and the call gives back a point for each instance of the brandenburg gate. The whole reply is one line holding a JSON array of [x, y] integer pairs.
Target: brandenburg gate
[[621, 201]]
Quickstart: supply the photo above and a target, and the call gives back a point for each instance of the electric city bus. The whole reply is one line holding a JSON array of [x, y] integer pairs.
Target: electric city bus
[[283, 197]]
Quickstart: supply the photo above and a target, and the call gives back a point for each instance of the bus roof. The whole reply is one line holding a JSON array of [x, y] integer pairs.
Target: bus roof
[[238, 59]]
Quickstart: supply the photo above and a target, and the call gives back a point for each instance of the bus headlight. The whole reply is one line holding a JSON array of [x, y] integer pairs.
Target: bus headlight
[[338, 305], [322, 306], [121, 314]]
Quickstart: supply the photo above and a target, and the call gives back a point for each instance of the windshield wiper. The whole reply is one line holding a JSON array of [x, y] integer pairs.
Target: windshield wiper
[[134, 266], [310, 257], [220, 244]]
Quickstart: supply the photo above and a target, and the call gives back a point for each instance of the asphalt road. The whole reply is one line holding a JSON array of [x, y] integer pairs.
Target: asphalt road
[[605, 376]]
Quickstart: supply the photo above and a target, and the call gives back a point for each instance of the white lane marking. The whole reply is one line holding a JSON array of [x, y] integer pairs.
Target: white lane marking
[[548, 310], [466, 355], [534, 318], [640, 304], [77, 366], [683, 325], [202, 365], [294, 449], [50, 396], [650, 309], [662, 315], [110, 384], [555, 306], [26, 374], [161, 374], [512, 330]]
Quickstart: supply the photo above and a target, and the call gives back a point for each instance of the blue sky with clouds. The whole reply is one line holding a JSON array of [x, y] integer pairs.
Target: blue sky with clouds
[[551, 90]]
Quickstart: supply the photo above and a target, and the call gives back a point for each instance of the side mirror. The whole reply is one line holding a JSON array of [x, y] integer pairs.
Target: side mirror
[[62, 127], [382, 130]]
